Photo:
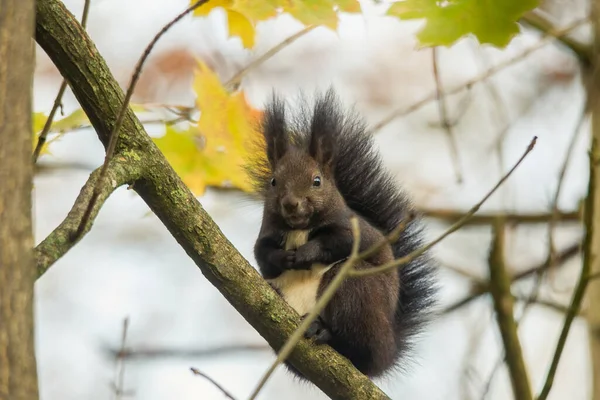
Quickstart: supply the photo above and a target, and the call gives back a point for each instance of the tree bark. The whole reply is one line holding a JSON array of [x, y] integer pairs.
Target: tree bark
[[593, 299], [17, 272]]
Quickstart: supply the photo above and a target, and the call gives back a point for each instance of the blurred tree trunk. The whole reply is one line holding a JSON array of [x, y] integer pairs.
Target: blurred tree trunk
[[17, 272], [593, 305]]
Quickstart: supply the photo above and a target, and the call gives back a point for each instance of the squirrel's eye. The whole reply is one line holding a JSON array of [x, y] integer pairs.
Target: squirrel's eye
[[317, 181], [272, 181]]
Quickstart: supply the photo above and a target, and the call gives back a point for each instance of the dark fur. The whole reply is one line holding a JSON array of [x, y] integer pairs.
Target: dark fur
[[370, 320]]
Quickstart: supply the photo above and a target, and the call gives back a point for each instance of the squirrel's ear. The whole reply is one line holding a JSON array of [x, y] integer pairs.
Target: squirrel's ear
[[274, 130], [321, 150], [325, 126]]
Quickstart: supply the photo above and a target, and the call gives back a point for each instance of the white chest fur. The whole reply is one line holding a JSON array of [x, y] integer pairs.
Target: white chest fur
[[299, 288]]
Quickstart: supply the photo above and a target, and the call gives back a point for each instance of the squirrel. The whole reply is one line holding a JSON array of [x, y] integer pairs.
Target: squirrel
[[322, 169]]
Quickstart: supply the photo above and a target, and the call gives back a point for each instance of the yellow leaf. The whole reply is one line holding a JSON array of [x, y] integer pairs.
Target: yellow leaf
[[240, 26], [256, 10], [72, 121], [243, 15], [313, 12], [213, 152], [206, 8], [349, 6]]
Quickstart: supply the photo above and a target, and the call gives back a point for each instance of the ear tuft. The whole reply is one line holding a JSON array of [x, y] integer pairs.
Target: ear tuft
[[327, 121], [274, 129]]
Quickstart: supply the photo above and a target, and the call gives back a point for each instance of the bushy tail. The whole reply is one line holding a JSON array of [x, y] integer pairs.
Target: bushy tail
[[370, 190]]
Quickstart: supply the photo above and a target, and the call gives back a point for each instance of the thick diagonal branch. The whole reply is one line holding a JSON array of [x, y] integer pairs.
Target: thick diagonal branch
[[78, 60]]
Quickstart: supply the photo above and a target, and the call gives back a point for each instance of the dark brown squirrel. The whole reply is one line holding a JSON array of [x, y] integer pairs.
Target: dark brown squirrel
[[322, 170]]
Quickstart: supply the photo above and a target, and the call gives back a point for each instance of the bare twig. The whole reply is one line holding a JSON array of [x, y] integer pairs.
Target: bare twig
[[536, 20], [114, 135], [503, 306], [441, 101], [120, 370], [197, 372], [488, 218], [481, 77], [588, 253], [57, 102], [236, 80], [456, 226], [561, 176], [481, 289], [188, 353]]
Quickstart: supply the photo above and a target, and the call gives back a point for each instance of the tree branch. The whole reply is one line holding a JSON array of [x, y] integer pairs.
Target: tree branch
[[536, 20], [589, 256], [451, 216], [59, 241], [504, 305], [481, 289], [78, 60]]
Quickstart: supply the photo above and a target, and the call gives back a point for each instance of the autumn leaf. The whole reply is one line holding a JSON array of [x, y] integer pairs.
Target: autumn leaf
[[213, 152], [492, 22], [72, 121], [243, 15]]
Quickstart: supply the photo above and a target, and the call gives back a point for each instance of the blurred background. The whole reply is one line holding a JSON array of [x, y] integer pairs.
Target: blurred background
[[129, 266]]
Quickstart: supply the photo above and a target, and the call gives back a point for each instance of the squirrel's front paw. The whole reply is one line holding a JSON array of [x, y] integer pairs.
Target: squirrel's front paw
[[285, 259], [305, 256], [317, 331]]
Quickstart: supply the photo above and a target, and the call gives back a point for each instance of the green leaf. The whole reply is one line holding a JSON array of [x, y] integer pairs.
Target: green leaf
[[492, 22]]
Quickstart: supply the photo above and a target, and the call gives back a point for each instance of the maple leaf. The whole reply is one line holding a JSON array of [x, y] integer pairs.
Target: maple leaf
[[213, 152], [492, 22], [243, 15]]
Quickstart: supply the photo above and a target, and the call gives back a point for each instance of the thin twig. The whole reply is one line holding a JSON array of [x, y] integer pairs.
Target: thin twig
[[561, 176], [456, 226], [114, 135], [503, 306], [58, 100], [588, 255], [481, 77], [441, 101], [236, 80], [536, 20], [189, 353], [289, 345], [197, 372], [481, 289], [120, 370], [488, 218]]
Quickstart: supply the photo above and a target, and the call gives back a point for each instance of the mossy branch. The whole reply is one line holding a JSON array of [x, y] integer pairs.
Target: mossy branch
[[78, 60], [120, 171]]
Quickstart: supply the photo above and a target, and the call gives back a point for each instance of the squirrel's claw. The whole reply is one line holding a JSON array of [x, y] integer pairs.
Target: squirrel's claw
[[317, 331]]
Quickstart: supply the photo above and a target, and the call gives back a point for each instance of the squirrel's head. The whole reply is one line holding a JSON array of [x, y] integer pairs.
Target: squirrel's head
[[301, 188]]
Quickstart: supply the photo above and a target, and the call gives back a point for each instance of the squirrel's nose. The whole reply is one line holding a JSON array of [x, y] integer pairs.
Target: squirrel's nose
[[290, 204]]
